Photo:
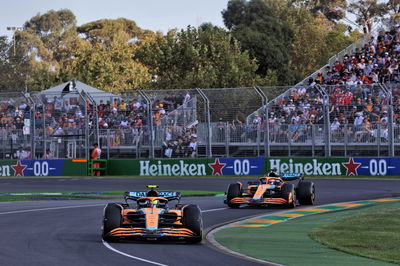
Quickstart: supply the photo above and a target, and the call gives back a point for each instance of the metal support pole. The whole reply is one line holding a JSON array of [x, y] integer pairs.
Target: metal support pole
[[150, 122], [326, 120], [390, 120], [108, 144], [313, 140], [87, 153], [207, 119], [226, 138], [33, 127], [95, 117], [264, 115], [346, 139]]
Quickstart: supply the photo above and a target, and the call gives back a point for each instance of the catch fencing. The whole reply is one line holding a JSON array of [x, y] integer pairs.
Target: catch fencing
[[318, 121]]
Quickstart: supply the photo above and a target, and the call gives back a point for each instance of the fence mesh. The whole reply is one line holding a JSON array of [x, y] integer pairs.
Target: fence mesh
[[356, 120]]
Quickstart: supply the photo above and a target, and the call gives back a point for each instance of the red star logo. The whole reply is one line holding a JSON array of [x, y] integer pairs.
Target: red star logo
[[19, 169], [351, 167], [217, 167]]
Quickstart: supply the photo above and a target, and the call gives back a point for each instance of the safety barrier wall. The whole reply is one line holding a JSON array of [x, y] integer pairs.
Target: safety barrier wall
[[334, 166], [257, 166], [19, 168]]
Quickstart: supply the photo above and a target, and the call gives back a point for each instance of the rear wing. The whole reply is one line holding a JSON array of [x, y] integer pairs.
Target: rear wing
[[291, 176], [134, 195]]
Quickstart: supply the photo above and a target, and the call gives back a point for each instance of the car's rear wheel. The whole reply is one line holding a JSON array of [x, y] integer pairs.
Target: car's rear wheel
[[111, 220], [192, 220], [306, 193], [234, 191], [289, 194]]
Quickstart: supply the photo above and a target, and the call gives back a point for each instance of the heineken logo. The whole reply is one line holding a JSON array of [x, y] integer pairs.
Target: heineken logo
[[181, 168], [312, 167], [5, 170]]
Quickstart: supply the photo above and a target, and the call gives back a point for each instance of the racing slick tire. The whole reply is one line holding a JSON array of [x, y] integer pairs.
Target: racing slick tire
[[191, 216], [233, 192], [111, 220], [306, 193], [287, 190]]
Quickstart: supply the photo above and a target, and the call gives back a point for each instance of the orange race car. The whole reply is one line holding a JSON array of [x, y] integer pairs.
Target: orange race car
[[273, 189], [151, 218]]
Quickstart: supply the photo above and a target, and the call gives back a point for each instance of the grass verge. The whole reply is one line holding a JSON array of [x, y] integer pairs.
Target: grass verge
[[289, 242], [24, 196], [375, 234]]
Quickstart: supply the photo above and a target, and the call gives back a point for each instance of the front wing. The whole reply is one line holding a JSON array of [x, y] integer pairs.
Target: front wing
[[143, 233], [262, 201]]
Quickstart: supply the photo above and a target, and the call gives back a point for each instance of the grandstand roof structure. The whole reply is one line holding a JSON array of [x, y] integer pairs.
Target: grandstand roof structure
[[78, 86]]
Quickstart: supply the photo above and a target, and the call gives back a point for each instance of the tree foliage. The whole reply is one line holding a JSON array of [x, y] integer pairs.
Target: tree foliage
[[367, 12], [333, 10], [268, 42], [205, 57], [259, 31], [105, 56]]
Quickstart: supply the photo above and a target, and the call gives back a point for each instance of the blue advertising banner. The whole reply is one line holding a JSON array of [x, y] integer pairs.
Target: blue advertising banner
[[76, 167], [43, 167], [377, 166], [241, 166]]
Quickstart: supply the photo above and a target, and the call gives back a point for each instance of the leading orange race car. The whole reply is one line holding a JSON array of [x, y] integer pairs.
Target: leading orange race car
[[152, 218]]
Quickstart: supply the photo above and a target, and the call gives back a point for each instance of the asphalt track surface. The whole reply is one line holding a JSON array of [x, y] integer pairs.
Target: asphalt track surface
[[61, 232]]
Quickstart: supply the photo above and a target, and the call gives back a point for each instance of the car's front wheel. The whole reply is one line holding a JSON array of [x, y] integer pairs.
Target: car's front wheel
[[192, 219], [234, 191], [112, 219]]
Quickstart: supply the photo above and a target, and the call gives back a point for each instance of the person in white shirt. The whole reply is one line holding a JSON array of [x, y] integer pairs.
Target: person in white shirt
[[358, 121], [335, 129], [193, 146]]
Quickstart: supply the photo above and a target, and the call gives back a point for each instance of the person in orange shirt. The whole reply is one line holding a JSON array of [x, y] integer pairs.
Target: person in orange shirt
[[96, 153]]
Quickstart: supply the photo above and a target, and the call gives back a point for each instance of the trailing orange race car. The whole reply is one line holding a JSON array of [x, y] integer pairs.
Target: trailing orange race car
[[273, 189], [152, 218]]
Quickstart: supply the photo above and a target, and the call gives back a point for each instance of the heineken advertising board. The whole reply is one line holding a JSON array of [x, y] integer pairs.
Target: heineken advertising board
[[43, 168], [343, 166], [187, 167], [351, 166]]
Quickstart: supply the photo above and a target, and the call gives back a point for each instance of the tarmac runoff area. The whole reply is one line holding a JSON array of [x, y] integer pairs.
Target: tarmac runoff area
[[281, 238]]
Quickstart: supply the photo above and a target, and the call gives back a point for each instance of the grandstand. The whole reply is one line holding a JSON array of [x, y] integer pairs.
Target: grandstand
[[349, 107]]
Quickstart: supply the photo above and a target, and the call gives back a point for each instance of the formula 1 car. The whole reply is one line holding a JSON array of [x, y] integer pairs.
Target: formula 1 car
[[151, 218], [273, 189]]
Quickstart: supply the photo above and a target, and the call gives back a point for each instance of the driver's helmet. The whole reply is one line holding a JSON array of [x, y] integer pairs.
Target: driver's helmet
[[273, 174], [152, 193]]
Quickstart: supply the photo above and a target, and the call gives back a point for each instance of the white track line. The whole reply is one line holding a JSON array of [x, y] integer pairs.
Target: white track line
[[130, 256], [213, 210], [50, 208], [107, 245], [104, 243], [83, 206]]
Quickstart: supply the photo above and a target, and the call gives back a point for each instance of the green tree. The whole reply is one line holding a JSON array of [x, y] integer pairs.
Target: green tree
[[105, 58], [46, 43], [367, 13], [333, 10], [259, 31], [394, 10], [207, 57], [315, 37], [13, 68]]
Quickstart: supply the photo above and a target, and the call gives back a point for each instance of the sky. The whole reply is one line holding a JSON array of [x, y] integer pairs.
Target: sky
[[155, 15]]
